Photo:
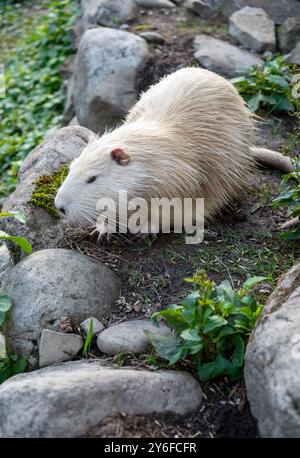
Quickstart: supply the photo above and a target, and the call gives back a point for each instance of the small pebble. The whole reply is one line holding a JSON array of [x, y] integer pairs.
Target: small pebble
[[97, 326], [152, 37]]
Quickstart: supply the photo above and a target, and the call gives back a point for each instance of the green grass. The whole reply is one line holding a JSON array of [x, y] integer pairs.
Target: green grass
[[35, 89], [243, 253]]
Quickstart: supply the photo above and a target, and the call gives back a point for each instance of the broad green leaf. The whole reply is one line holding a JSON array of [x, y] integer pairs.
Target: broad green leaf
[[5, 305], [190, 311], [15, 214], [10, 366], [191, 334], [173, 315], [89, 338], [239, 351], [2, 348], [168, 347], [214, 369], [250, 282], [249, 301], [193, 347], [20, 241], [254, 102], [238, 79], [226, 294], [279, 80], [291, 235], [226, 331], [283, 103], [214, 322]]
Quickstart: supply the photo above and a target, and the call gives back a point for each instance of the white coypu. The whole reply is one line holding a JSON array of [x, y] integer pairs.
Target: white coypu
[[189, 136]]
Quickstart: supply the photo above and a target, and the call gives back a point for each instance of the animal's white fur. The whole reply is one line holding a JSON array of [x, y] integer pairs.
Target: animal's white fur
[[187, 136]]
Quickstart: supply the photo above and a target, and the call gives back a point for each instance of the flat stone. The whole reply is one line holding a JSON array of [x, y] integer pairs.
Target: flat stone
[[69, 399], [50, 285], [153, 37], [272, 361], [105, 74], [56, 347], [222, 57], [128, 337], [254, 29], [206, 9], [289, 34], [278, 10], [97, 326], [106, 12]]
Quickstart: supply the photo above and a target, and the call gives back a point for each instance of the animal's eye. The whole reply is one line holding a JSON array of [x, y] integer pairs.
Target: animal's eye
[[91, 179]]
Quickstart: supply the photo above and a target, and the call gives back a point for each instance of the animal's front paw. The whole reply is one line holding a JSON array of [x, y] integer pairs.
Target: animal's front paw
[[102, 231]]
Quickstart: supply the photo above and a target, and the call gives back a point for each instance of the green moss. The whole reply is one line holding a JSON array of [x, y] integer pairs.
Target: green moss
[[46, 188]]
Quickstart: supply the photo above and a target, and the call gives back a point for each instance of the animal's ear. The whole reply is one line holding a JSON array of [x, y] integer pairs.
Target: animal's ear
[[120, 157]]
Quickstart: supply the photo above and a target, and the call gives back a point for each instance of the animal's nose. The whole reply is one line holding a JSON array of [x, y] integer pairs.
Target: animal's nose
[[62, 210]]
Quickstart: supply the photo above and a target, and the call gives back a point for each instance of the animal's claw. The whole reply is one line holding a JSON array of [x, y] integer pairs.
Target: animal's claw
[[103, 232]]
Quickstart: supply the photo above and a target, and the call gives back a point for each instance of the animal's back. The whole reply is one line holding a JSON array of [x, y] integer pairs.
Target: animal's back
[[179, 96], [210, 129]]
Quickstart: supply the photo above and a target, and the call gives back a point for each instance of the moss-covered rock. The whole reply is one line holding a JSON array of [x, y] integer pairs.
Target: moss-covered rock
[[46, 188]]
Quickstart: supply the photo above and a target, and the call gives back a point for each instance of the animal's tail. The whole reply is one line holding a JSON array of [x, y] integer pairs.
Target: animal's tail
[[272, 159]]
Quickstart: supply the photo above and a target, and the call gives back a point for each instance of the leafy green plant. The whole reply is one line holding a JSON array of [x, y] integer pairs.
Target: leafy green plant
[[289, 197], [88, 340], [5, 301], [46, 188], [268, 86], [22, 242], [212, 326], [11, 364], [35, 88], [5, 305]]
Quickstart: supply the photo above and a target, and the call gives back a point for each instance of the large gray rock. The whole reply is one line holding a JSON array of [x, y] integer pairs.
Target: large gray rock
[[50, 285], [69, 108], [272, 364], [128, 337], [294, 56], [206, 9], [278, 10], [56, 347], [222, 57], [289, 34], [106, 12], [105, 72], [254, 29], [58, 149], [68, 400]]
